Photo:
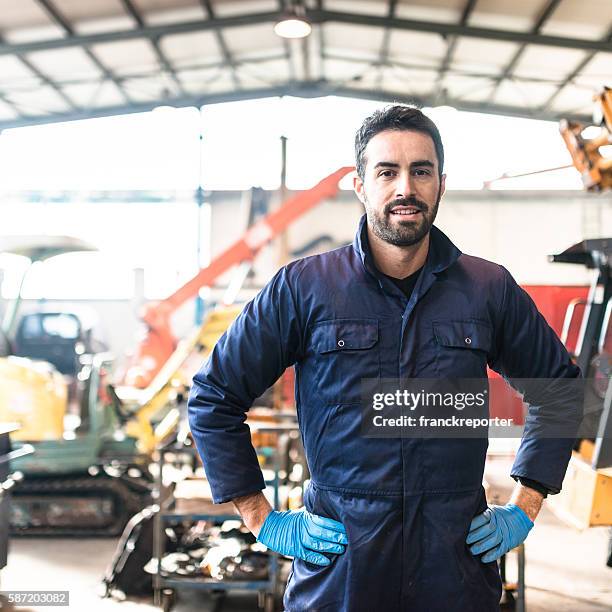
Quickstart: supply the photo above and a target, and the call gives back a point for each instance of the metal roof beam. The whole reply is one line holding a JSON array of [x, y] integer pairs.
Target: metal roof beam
[[61, 20], [449, 29], [312, 89], [549, 9], [306, 58], [320, 7], [134, 13], [225, 52], [384, 49], [152, 72], [45, 79], [425, 68], [316, 16], [450, 49], [12, 104], [572, 75], [287, 49]]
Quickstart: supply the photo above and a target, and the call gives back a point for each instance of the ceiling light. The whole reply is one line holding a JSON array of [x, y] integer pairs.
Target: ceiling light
[[293, 24]]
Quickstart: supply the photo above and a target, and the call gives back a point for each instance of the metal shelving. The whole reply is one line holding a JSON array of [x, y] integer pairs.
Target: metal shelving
[[164, 587]]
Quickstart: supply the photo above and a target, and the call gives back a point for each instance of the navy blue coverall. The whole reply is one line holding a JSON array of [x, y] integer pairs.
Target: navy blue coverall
[[406, 504]]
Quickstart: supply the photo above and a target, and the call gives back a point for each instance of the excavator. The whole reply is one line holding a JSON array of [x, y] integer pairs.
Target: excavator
[[90, 471]]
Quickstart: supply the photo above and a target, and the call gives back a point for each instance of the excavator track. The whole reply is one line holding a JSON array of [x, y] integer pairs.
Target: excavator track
[[74, 506]]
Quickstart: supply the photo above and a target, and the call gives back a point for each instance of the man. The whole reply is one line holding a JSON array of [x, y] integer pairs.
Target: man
[[389, 524]]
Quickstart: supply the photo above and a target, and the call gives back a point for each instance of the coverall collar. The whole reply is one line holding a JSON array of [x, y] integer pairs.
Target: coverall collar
[[441, 255]]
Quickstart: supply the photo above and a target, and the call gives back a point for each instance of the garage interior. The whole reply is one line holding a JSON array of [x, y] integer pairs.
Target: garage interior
[[160, 160]]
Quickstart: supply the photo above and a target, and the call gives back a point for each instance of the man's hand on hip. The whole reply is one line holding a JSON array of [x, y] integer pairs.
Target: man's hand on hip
[[303, 535], [295, 534], [497, 530]]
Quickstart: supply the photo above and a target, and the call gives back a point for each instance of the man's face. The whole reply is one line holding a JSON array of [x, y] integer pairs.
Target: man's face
[[401, 188]]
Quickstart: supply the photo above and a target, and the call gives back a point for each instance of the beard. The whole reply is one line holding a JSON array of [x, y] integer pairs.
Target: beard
[[402, 232]]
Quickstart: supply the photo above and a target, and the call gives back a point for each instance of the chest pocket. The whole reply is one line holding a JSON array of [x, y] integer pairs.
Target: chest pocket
[[342, 353], [462, 348]]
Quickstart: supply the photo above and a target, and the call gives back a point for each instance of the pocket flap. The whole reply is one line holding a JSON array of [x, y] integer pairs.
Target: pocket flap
[[463, 334], [345, 335]]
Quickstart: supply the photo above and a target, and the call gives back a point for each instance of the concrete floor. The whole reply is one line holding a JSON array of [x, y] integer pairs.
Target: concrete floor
[[565, 569]]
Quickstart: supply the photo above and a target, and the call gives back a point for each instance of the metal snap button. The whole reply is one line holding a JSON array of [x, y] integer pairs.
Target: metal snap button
[[340, 343], [468, 340]]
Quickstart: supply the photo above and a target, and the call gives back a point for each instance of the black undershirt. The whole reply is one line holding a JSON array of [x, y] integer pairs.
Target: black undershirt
[[406, 286]]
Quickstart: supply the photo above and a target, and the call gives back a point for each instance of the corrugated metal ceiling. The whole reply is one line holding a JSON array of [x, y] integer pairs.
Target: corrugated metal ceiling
[[69, 59]]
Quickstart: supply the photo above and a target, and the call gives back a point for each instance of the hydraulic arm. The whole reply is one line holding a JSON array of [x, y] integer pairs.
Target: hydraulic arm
[[159, 342]]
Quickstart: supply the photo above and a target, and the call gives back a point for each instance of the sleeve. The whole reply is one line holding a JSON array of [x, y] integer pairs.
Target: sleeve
[[530, 356], [248, 358], [532, 484]]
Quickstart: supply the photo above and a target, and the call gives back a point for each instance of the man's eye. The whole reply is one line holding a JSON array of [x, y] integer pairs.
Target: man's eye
[[386, 173], [421, 172]]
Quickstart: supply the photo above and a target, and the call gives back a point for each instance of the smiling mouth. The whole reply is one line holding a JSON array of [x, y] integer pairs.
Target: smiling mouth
[[406, 211]]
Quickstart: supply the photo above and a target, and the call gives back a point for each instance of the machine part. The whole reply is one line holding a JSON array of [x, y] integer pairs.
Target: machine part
[[601, 373], [35, 395], [127, 570], [249, 565], [5, 345], [58, 337], [168, 599], [595, 254], [592, 346], [595, 169], [76, 507], [602, 452], [586, 497], [178, 564], [36, 248]]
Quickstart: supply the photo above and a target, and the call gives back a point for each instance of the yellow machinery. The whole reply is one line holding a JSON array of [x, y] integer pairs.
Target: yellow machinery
[[89, 480], [33, 392], [34, 395], [172, 382], [595, 168]]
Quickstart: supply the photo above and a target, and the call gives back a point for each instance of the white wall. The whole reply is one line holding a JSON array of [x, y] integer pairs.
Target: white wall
[[520, 229]]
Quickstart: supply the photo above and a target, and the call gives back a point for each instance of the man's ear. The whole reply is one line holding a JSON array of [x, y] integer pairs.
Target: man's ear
[[358, 188], [442, 184]]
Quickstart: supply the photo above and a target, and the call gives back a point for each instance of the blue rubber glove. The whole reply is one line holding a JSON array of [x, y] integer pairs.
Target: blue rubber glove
[[498, 530], [298, 533]]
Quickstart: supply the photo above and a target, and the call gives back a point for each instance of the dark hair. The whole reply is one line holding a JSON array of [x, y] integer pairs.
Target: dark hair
[[396, 117]]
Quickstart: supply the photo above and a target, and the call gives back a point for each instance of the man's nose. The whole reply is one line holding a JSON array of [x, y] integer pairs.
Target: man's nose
[[404, 186]]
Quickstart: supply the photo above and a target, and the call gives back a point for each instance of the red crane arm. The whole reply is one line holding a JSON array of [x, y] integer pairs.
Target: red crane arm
[[159, 343]]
